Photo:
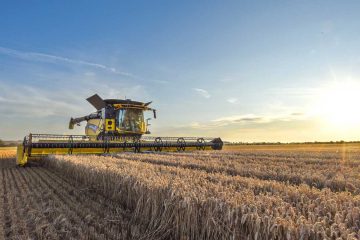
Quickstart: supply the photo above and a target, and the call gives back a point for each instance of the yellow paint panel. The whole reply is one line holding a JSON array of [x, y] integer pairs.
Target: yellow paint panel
[[21, 158], [38, 153], [110, 125]]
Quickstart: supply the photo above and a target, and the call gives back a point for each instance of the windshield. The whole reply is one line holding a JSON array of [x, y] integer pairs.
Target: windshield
[[130, 119]]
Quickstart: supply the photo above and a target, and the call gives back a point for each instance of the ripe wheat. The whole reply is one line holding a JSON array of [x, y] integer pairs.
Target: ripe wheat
[[191, 196]]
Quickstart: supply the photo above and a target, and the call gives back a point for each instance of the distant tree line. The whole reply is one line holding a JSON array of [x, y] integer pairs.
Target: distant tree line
[[7, 144], [282, 143]]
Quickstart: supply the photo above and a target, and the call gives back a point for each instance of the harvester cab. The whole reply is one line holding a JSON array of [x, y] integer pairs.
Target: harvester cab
[[116, 126], [115, 118]]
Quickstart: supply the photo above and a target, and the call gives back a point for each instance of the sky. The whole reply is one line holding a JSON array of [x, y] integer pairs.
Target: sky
[[245, 71]]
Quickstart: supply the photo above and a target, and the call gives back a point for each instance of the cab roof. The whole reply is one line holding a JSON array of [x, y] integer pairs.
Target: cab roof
[[122, 101]]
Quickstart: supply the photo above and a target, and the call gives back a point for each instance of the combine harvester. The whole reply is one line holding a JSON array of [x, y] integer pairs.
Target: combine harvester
[[117, 126]]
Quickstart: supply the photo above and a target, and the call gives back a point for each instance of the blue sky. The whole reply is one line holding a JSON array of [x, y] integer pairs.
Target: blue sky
[[241, 70]]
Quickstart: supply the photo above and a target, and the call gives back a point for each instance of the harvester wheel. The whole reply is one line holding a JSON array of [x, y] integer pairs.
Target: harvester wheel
[[158, 144], [181, 144], [201, 144]]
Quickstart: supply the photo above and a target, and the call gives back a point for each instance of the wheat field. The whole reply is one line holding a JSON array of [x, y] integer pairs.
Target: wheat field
[[245, 193]]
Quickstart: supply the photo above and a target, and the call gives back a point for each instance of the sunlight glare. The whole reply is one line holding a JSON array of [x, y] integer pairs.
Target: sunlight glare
[[339, 104]]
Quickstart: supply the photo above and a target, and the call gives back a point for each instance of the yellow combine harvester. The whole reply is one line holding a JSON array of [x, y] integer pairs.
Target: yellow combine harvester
[[117, 126]]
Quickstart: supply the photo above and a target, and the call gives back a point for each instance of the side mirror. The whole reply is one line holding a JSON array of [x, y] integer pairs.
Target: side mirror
[[154, 111], [147, 125], [147, 121]]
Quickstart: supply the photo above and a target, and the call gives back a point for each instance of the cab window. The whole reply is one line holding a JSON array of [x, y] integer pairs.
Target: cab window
[[130, 119]]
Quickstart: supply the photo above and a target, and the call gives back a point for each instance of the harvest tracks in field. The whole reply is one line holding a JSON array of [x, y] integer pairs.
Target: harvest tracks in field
[[36, 203]]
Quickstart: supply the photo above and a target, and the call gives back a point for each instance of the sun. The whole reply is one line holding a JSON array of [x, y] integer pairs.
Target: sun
[[339, 104]]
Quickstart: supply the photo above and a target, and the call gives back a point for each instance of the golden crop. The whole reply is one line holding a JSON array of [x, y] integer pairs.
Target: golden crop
[[7, 154], [228, 195]]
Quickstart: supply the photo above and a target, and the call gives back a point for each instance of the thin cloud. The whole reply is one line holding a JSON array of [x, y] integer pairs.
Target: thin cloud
[[224, 121], [297, 114], [252, 118], [28, 101], [232, 100], [202, 92], [42, 57], [253, 128], [246, 120], [249, 118]]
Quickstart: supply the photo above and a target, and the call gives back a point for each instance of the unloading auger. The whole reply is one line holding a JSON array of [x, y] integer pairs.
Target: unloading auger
[[117, 126]]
